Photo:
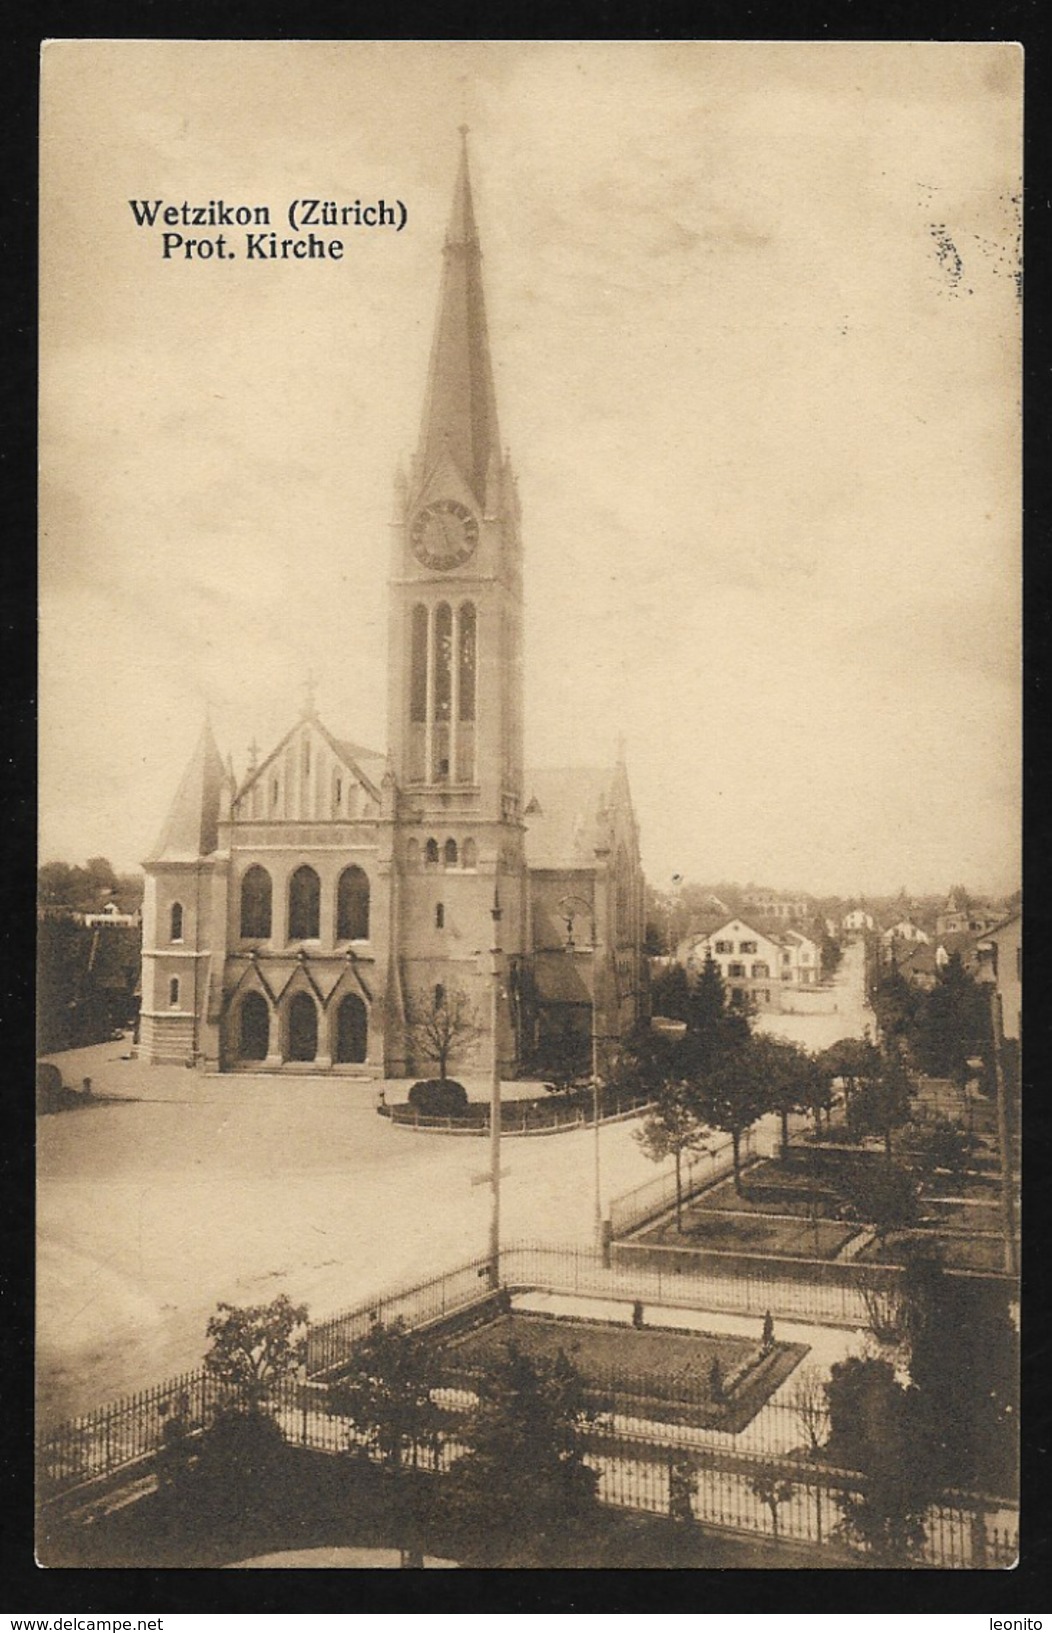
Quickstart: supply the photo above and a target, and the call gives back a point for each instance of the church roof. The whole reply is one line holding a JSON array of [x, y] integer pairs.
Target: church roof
[[460, 405], [367, 763], [192, 826], [368, 760], [564, 815]]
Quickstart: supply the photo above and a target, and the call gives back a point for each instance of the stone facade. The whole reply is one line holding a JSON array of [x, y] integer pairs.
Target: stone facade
[[294, 921]]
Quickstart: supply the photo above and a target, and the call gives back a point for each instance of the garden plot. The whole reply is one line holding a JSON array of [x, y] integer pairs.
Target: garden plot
[[714, 1380]]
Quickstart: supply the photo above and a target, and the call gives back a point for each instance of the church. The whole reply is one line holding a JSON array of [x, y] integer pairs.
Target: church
[[300, 920]]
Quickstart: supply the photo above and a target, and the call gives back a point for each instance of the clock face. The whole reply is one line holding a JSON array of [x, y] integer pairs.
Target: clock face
[[444, 535]]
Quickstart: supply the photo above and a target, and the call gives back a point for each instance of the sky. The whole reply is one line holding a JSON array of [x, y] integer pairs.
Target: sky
[[755, 327]]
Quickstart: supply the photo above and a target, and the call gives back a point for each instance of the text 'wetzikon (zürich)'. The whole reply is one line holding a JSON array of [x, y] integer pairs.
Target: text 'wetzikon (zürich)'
[[258, 242]]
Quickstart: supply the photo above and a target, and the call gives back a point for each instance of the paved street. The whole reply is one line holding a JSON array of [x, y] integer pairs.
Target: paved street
[[844, 1012], [182, 1190], [187, 1190]]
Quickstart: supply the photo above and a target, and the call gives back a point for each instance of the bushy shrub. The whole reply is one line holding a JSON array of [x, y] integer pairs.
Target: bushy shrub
[[438, 1097], [49, 1087]]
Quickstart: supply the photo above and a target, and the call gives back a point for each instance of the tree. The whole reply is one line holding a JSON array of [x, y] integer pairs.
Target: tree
[[789, 1077], [964, 1365], [255, 1346], [895, 1003], [830, 954], [773, 1492], [732, 1096], [523, 1477], [874, 1430], [881, 1103], [671, 1128], [670, 993], [809, 1404], [950, 1024], [853, 1061], [387, 1393], [885, 1197], [941, 1145], [440, 1024], [712, 1029]]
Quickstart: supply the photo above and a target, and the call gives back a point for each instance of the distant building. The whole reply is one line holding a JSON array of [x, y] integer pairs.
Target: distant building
[[857, 922], [905, 930], [112, 915], [773, 905], [962, 917], [756, 965], [1003, 945], [801, 959]]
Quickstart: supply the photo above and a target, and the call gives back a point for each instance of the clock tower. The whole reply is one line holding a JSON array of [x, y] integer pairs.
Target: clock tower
[[455, 710]]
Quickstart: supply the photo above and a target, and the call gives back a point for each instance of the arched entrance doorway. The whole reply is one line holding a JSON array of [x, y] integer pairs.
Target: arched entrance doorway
[[253, 1027], [352, 1029], [303, 1028]]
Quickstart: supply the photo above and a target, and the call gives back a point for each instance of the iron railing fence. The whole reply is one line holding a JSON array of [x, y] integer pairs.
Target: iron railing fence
[[126, 1432], [761, 1489], [699, 1169], [417, 1305], [522, 1116], [674, 1282], [797, 1502], [633, 1451]]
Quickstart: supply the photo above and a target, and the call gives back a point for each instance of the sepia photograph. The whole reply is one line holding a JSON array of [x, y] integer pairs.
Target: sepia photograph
[[529, 910]]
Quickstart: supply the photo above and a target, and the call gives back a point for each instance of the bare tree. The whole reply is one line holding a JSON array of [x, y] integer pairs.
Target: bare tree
[[439, 1024], [808, 1401]]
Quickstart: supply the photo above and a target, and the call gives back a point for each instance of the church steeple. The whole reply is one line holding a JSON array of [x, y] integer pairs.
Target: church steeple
[[460, 407]]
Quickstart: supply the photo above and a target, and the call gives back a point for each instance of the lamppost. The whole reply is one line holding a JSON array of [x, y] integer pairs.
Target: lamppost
[[494, 1095], [986, 975], [598, 1215], [569, 908], [673, 897]]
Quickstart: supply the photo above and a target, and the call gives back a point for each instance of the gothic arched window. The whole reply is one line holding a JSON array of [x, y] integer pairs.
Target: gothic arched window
[[352, 1029], [442, 692], [440, 916], [418, 666], [431, 853], [352, 906], [449, 853], [468, 661], [255, 902], [304, 906], [469, 854], [176, 922], [253, 1027], [303, 1027], [173, 991]]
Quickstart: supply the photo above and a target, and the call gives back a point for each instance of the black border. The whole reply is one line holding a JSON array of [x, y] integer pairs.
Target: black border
[[24, 1587]]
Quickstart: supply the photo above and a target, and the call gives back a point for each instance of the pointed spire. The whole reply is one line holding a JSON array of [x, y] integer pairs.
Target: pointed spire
[[460, 407], [191, 827]]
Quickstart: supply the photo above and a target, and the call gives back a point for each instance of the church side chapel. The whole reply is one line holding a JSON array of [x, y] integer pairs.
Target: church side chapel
[[294, 922]]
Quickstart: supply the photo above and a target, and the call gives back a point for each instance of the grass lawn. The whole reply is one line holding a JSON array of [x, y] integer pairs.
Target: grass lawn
[[643, 1357], [958, 1252], [752, 1232], [653, 1373]]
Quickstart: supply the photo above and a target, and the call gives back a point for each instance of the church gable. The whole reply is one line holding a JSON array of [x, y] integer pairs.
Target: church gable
[[310, 777]]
